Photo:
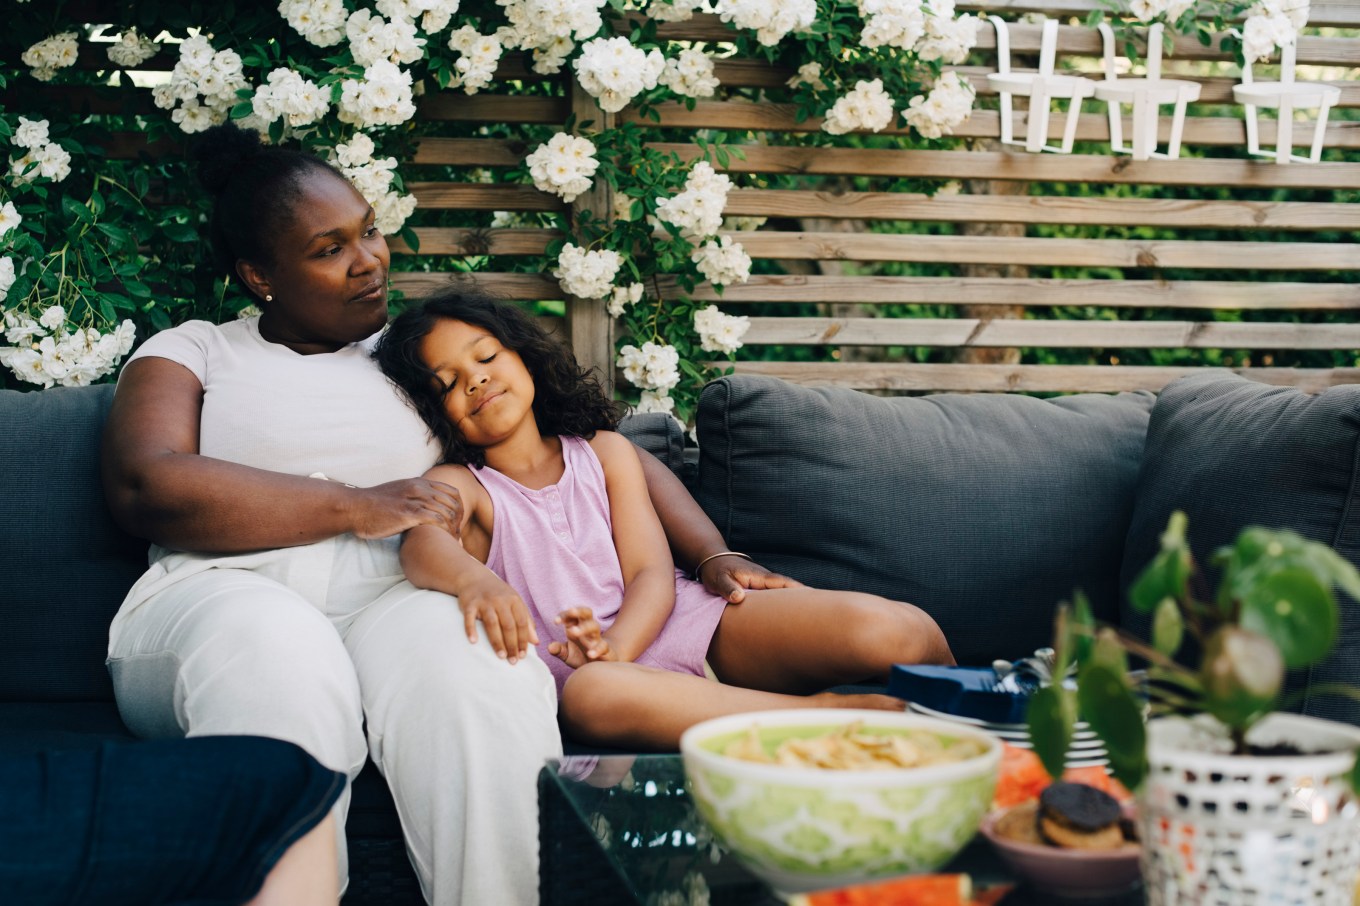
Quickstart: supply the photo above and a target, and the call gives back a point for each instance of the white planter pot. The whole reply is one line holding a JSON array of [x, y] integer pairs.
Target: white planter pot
[[1230, 830]]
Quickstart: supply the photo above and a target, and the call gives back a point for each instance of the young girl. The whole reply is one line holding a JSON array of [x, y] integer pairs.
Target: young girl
[[560, 545]]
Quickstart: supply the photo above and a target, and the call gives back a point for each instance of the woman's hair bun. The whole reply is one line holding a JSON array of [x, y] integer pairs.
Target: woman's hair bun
[[220, 151]]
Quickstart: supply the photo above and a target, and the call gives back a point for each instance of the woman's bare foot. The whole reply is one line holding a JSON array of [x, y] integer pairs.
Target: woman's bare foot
[[869, 701]]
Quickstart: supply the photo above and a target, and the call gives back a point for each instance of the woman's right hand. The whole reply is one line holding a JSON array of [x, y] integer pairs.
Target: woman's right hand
[[390, 509]]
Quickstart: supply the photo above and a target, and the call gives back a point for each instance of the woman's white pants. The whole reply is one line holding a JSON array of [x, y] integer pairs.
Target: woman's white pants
[[328, 647]]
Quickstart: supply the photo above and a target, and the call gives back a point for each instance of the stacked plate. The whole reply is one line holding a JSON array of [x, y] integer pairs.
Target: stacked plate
[[1086, 750], [969, 695]]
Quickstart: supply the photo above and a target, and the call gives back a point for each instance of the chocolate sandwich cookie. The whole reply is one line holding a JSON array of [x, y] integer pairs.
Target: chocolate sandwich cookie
[[1078, 816]]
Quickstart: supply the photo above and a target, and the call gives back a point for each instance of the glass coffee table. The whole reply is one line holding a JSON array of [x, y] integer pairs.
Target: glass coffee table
[[621, 829]]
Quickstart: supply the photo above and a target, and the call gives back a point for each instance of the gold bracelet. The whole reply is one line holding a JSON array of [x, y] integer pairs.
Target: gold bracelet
[[698, 568]]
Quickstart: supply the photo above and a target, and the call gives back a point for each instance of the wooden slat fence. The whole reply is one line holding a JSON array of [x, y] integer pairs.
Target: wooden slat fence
[[1018, 272]]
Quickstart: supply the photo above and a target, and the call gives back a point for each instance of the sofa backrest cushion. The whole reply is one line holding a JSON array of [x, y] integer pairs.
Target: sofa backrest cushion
[[660, 435], [985, 510], [65, 565], [1231, 452]]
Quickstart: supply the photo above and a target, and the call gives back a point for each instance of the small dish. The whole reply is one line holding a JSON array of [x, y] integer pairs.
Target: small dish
[[1066, 872]]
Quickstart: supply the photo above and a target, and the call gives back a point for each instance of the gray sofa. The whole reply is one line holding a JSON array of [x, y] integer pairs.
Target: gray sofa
[[985, 510]]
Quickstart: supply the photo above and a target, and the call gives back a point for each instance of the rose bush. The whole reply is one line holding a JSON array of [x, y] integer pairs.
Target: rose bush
[[96, 247]]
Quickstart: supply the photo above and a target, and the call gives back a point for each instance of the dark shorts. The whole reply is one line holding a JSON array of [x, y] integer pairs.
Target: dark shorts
[[188, 821]]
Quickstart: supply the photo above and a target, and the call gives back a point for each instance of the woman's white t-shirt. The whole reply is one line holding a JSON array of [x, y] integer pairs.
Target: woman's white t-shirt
[[266, 406]]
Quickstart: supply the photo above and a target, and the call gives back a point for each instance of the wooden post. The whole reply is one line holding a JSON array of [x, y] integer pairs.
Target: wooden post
[[589, 326], [998, 356]]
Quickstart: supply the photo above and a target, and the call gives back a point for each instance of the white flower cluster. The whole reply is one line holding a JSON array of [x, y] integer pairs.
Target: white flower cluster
[[808, 74], [613, 71], [372, 177], [892, 23], [623, 296], [690, 74], [1166, 10], [948, 37], [7, 276], [10, 218], [320, 22], [771, 19], [373, 39], [131, 49], [549, 28], [654, 401], [866, 106], [697, 208], [653, 367], [480, 53], [434, 15], [719, 332], [48, 351], [563, 165], [723, 261], [1271, 24], [949, 103], [287, 94], [675, 10], [51, 54], [42, 158], [587, 274], [383, 97], [203, 84]]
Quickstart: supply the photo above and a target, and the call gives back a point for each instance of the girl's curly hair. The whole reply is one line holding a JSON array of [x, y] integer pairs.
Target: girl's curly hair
[[568, 399]]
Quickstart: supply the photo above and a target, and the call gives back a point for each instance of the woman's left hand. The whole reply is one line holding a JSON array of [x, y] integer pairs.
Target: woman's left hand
[[729, 577]]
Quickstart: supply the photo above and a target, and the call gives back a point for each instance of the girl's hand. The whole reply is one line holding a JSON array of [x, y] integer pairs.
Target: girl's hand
[[585, 642], [503, 613], [729, 577], [392, 508]]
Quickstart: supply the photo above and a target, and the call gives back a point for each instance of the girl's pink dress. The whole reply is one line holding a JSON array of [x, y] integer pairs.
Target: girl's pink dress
[[555, 547]]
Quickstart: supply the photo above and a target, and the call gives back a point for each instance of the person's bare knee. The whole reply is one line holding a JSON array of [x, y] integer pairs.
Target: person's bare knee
[[589, 706], [305, 874]]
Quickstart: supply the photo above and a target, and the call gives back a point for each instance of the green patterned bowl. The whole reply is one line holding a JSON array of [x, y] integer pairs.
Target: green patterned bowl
[[807, 828]]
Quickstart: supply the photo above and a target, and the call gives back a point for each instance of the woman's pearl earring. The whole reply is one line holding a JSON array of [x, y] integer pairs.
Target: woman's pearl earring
[[268, 297]]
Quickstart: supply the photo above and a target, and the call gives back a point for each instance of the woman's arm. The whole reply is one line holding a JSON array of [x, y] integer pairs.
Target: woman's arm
[[694, 539], [435, 559], [159, 487], [648, 571]]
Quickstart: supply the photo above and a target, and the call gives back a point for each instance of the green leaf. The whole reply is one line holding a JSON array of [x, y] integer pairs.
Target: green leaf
[[76, 210], [1168, 627], [1168, 573], [1116, 716], [242, 110], [408, 235], [179, 232], [1052, 714], [1083, 627], [1296, 611]]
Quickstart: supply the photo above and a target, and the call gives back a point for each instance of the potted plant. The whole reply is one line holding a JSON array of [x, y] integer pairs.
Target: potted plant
[[1238, 801]]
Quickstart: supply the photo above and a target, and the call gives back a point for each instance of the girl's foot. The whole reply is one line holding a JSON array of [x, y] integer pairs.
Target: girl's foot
[[869, 701]]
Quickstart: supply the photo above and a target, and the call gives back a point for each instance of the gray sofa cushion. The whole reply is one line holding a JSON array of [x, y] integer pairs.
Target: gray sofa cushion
[[660, 435], [984, 510], [1232, 452], [66, 566]]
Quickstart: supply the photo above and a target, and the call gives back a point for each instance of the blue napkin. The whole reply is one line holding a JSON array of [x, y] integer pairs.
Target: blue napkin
[[963, 691]]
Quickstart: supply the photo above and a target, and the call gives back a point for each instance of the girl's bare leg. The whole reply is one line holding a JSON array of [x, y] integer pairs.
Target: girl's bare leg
[[806, 639], [630, 706], [306, 874]]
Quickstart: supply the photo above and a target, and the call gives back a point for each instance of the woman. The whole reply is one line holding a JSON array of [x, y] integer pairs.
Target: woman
[[275, 603]]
